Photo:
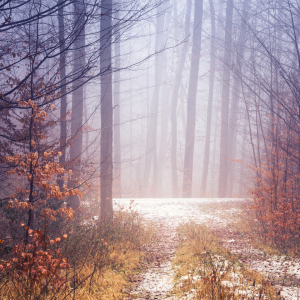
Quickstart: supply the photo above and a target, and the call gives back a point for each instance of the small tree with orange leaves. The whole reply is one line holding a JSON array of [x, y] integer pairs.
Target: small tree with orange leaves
[[276, 192], [34, 266]]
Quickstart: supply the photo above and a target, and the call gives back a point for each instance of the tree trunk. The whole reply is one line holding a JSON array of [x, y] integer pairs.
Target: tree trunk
[[241, 192], [175, 96], [117, 115], [77, 98], [106, 168], [191, 101], [236, 94], [86, 124], [210, 99], [164, 109], [63, 102], [151, 151], [213, 190], [220, 28], [223, 176]]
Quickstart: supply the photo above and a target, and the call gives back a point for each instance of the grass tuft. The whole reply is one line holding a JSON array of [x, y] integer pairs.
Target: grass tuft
[[207, 271], [103, 259]]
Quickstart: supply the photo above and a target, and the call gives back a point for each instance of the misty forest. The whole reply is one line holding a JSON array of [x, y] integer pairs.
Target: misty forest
[[149, 149]]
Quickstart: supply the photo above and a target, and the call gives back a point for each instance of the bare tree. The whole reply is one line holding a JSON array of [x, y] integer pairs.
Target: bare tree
[[210, 97], [223, 175], [175, 95], [63, 91], [77, 97], [236, 94], [191, 101], [106, 168], [117, 110], [157, 184], [151, 151]]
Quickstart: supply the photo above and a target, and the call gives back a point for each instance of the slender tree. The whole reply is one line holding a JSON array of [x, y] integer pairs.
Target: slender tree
[[77, 97], [210, 98], [117, 110], [151, 150], [175, 95], [106, 167], [236, 93], [241, 190], [63, 102], [191, 101], [223, 175], [163, 144]]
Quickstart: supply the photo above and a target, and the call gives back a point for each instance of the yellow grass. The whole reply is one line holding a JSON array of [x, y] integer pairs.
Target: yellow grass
[[208, 271], [97, 271]]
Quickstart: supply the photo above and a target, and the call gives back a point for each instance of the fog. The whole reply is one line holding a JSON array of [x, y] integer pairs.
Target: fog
[[151, 98], [150, 149], [154, 82]]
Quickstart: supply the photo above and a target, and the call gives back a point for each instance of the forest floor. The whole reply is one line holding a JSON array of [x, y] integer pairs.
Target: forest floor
[[220, 216]]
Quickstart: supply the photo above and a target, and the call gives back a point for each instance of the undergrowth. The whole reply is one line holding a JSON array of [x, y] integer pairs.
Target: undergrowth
[[217, 206], [247, 225], [101, 261], [207, 271], [241, 220]]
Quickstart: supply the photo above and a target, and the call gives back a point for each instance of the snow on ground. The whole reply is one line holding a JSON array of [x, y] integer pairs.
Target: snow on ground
[[168, 213], [175, 210]]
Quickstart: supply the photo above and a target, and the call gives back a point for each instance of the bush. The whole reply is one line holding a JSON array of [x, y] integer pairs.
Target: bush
[[95, 261]]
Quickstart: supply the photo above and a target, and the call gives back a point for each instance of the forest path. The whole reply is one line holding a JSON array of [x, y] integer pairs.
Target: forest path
[[167, 214]]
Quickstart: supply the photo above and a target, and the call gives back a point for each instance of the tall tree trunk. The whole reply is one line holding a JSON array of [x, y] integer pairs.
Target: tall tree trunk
[[175, 96], [117, 114], [223, 176], [164, 108], [130, 129], [87, 134], [220, 28], [210, 99], [236, 94], [191, 101], [63, 101], [214, 166], [241, 191], [151, 151], [106, 168], [213, 190], [86, 125], [164, 133], [77, 97]]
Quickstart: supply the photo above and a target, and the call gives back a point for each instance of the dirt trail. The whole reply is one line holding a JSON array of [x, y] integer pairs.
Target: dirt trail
[[167, 214], [281, 271], [156, 282]]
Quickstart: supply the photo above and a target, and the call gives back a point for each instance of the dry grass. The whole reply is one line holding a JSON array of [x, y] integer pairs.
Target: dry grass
[[103, 261], [247, 226], [223, 206], [242, 221], [208, 271]]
